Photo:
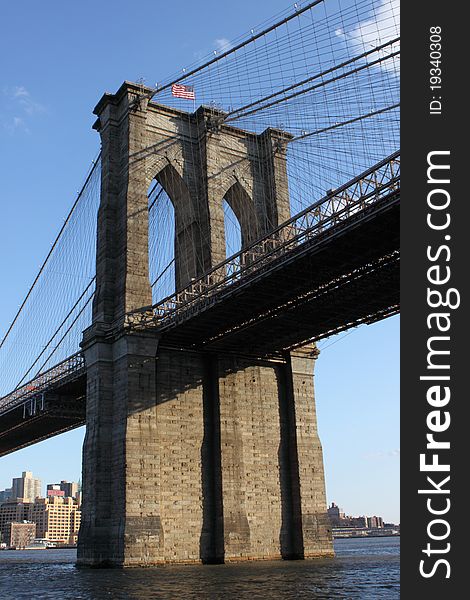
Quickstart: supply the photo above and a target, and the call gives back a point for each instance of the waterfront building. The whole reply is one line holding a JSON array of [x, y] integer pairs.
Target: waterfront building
[[375, 522], [357, 522], [336, 514], [13, 510], [26, 487], [57, 519], [339, 519], [19, 535]]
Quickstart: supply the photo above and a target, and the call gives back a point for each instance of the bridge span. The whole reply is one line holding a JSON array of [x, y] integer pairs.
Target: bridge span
[[340, 258]]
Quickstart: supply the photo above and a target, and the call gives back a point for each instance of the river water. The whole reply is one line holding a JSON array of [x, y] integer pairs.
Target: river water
[[363, 569]]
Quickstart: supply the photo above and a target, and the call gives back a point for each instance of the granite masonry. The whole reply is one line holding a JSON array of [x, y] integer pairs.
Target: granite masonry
[[190, 456]]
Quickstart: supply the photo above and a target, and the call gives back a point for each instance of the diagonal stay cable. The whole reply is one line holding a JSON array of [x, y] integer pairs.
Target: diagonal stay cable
[[163, 272], [273, 232], [316, 86], [297, 13], [56, 241], [230, 115], [55, 333], [159, 193], [65, 334], [343, 123]]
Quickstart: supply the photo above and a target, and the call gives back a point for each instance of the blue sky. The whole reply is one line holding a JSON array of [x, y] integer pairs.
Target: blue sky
[[58, 59]]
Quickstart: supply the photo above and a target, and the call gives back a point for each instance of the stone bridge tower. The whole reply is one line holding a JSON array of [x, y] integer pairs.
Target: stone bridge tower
[[190, 456]]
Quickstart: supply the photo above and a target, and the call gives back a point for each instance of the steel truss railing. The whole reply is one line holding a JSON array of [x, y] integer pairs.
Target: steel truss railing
[[338, 206], [71, 366]]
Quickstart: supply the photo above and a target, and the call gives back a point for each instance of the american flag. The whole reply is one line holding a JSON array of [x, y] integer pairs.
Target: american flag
[[183, 91]]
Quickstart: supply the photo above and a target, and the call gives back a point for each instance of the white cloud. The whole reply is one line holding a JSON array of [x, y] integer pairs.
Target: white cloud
[[15, 124], [383, 27], [20, 91], [222, 44], [18, 108], [18, 122], [23, 97], [383, 454]]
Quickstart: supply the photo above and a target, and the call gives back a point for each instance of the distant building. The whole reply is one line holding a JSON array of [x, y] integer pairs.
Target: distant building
[[375, 522], [358, 521], [13, 511], [69, 488], [339, 519], [26, 487], [57, 519], [19, 535], [5, 495], [336, 514], [53, 489]]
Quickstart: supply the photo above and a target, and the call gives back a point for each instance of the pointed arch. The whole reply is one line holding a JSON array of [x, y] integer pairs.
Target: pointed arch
[[187, 234], [243, 208], [161, 242], [232, 231]]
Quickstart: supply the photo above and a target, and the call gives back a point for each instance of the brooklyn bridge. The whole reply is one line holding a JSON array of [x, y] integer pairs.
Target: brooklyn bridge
[[208, 250]]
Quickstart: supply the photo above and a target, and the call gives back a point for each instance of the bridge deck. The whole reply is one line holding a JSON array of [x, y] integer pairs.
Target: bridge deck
[[51, 404], [339, 279], [334, 266]]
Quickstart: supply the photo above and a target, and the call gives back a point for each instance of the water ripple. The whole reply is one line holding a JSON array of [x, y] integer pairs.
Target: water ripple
[[364, 569]]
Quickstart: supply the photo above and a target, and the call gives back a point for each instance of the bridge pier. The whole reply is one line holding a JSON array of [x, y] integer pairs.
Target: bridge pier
[[190, 456], [273, 485], [120, 475]]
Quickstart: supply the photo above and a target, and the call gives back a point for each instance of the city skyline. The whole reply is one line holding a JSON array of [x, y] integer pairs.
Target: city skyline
[[27, 486], [72, 485]]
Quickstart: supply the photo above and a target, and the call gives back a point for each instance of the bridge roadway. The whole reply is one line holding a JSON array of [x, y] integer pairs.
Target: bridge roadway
[[332, 267]]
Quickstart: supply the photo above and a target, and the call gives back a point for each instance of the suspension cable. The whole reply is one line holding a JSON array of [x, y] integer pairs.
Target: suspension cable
[[55, 333], [65, 334], [316, 86], [49, 254], [297, 13], [360, 118], [229, 116]]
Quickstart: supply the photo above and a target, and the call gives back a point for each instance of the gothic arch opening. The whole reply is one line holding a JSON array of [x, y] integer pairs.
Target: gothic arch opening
[[233, 237], [161, 242], [178, 232], [238, 204]]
